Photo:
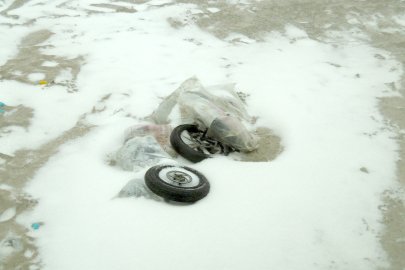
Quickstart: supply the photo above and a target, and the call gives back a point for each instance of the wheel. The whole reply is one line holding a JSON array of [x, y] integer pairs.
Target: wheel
[[184, 140], [177, 183], [192, 143]]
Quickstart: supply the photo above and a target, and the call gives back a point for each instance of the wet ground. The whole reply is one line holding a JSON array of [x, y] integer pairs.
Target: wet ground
[[374, 22]]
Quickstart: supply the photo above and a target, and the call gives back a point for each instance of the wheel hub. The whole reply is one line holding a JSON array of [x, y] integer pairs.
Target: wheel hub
[[179, 177], [201, 143]]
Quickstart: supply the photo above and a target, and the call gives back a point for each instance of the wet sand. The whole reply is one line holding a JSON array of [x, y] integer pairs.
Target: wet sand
[[315, 17]]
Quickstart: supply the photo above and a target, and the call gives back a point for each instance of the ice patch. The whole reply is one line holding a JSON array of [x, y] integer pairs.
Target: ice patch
[[236, 37], [213, 9], [64, 75], [34, 77], [28, 253], [294, 32], [6, 187], [49, 64], [7, 214]]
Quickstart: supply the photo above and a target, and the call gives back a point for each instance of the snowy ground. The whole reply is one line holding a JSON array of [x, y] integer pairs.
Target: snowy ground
[[76, 74]]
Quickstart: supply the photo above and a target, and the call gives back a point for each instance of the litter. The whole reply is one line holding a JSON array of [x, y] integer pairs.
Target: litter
[[36, 225], [218, 110], [214, 120], [141, 148], [137, 188]]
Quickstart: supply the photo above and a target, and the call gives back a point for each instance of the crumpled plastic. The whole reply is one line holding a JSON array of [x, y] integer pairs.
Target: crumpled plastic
[[137, 188], [141, 147], [217, 108]]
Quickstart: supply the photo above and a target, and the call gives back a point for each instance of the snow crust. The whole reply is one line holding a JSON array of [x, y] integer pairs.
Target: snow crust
[[311, 208]]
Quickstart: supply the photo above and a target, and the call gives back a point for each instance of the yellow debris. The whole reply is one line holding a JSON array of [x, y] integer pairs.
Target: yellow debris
[[43, 82]]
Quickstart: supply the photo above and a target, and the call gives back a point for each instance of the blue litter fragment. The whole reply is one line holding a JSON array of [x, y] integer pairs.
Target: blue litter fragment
[[2, 104], [35, 226], [2, 111]]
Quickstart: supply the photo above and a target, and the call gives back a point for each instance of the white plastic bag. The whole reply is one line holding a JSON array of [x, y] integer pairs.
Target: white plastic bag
[[137, 188], [143, 147], [218, 109]]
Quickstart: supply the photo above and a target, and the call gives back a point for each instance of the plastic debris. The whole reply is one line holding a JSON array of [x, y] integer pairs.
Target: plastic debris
[[36, 225], [144, 146], [43, 82], [141, 149], [219, 109], [137, 188], [2, 105], [138, 153]]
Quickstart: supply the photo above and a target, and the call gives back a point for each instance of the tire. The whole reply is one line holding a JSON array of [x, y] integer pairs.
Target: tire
[[177, 183], [182, 147]]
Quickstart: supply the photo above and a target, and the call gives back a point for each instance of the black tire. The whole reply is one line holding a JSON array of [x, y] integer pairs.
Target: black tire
[[182, 147], [177, 183]]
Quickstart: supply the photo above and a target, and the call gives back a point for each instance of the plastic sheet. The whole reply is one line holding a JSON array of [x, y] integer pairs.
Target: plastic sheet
[[229, 131], [218, 108], [137, 188], [141, 147]]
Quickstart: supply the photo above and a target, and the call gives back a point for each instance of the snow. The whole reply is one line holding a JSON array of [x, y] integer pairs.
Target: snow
[[213, 9], [311, 208], [35, 77], [10, 43], [7, 214], [49, 64]]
